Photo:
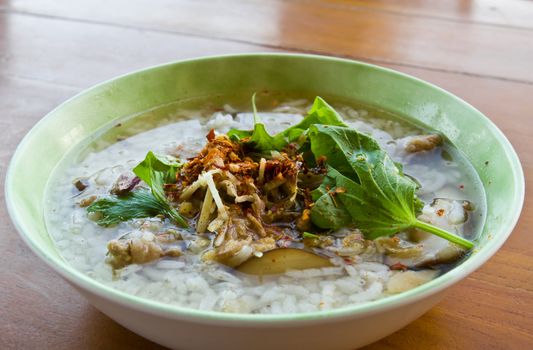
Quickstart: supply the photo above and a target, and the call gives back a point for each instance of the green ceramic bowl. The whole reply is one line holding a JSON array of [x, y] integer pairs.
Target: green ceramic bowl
[[345, 328]]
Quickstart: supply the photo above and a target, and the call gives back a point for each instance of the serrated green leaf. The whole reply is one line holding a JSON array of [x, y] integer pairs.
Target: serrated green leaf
[[367, 184], [326, 212]]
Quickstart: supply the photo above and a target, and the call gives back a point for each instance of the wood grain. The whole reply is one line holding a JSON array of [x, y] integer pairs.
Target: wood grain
[[381, 36], [50, 52], [510, 13], [38, 309], [83, 54]]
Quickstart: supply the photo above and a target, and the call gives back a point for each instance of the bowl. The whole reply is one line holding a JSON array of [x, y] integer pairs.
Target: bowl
[[345, 328]]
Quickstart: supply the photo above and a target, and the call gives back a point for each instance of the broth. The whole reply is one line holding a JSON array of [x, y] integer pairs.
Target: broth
[[188, 279]]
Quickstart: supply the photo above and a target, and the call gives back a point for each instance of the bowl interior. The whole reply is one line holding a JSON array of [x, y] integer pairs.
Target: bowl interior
[[80, 117]]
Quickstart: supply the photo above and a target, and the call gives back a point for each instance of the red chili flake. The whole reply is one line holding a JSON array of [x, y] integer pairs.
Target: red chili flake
[[461, 186], [398, 266], [211, 135], [440, 212]]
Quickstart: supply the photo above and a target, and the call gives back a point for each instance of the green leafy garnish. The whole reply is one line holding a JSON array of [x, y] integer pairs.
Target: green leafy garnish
[[320, 113], [154, 166], [260, 141], [155, 171], [364, 182], [134, 205], [310, 235], [326, 212]]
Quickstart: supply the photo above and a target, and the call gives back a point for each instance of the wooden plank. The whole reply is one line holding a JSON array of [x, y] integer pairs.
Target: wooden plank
[[38, 308], [82, 54], [511, 13], [378, 36]]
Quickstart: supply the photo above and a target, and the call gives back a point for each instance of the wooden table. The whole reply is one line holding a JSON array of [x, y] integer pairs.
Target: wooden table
[[480, 50]]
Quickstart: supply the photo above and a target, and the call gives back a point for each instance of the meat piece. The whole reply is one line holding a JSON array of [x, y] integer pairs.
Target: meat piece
[[397, 248], [233, 252], [132, 251], [124, 184], [85, 202], [402, 281], [264, 244], [138, 250], [199, 244], [447, 214], [80, 184], [168, 237], [354, 244], [320, 241], [142, 251], [119, 252], [173, 252], [423, 143], [230, 248]]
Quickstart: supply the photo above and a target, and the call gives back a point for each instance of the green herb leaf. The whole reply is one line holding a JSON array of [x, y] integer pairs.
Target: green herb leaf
[[327, 212], [320, 113], [261, 142], [155, 171], [368, 185], [165, 166], [134, 205], [259, 139], [341, 146]]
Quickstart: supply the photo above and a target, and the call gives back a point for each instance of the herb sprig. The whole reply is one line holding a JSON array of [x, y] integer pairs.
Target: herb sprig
[[155, 171]]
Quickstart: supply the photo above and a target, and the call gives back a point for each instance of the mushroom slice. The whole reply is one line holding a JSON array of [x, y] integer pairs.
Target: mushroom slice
[[282, 260]]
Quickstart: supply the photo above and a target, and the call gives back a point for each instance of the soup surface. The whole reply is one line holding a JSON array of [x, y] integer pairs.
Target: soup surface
[[219, 262]]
